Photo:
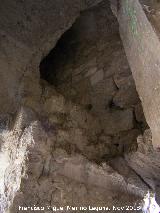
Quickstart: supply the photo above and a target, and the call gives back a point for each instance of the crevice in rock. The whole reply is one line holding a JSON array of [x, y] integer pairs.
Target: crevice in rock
[[58, 56]]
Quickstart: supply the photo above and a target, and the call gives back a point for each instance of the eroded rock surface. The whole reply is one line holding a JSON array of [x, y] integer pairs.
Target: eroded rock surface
[[89, 67], [51, 158], [26, 36], [74, 143]]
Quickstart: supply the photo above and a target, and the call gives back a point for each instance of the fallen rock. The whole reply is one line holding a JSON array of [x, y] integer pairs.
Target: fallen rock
[[145, 162], [147, 166], [106, 177], [121, 166]]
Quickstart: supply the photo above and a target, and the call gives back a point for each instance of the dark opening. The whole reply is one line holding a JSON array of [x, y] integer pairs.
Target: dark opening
[[58, 56]]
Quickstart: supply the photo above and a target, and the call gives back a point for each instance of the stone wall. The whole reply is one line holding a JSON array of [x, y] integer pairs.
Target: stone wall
[[89, 67]]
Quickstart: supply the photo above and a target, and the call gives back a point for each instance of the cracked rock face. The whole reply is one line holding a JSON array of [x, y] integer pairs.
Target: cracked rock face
[[79, 139]]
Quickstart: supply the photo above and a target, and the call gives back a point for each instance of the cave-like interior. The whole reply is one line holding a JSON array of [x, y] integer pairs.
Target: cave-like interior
[[73, 131], [88, 66]]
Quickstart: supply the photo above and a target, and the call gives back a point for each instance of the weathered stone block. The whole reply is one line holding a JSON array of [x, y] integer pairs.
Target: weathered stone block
[[97, 77], [91, 71], [102, 94], [88, 64], [55, 104], [124, 80], [117, 121], [126, 97]]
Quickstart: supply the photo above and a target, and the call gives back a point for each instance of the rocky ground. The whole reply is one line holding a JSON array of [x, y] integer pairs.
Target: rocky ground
[[55, 155]]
